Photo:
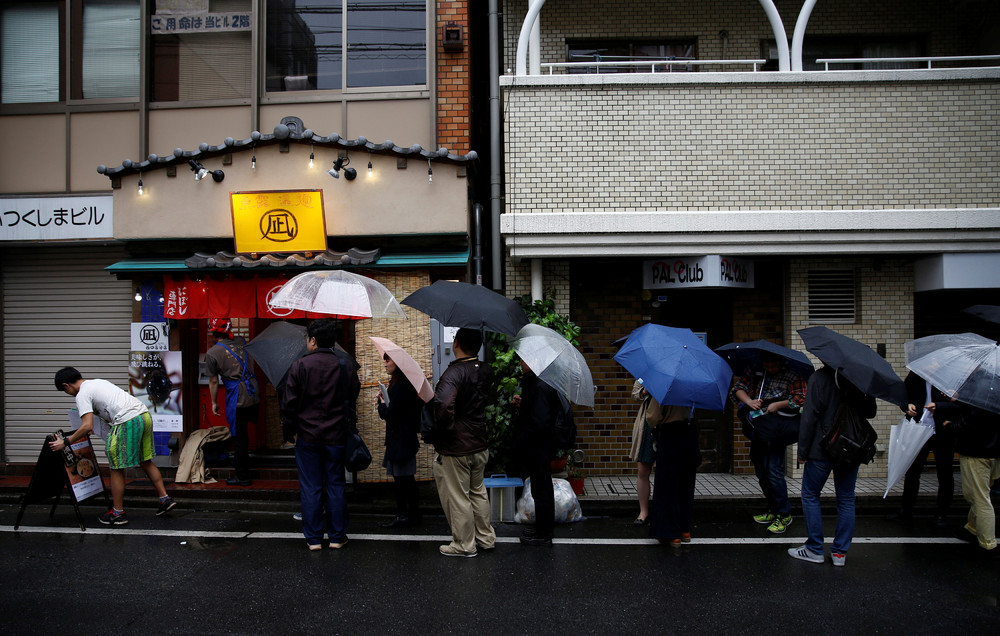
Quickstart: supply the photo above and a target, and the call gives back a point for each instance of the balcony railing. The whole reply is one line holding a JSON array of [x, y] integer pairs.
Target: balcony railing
[[648, 64], [929, 61]]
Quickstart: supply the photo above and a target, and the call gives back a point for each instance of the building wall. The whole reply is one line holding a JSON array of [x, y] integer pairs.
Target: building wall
[[453, 90]]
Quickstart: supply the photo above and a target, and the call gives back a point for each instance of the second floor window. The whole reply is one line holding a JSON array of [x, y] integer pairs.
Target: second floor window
[[106, 49], [30, 53]]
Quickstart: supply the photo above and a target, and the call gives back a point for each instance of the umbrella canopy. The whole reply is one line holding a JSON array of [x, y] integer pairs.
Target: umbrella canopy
[[905, 441], [856, 361], [455, 304], [410, 367], [676, 367], [556, 362], [339, 294], [748, 353], [277, 347], [962, 366], [989, 313]]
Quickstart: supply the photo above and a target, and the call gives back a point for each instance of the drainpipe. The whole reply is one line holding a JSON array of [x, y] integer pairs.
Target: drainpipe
[[477, 246], [800, 34], [780, 38], [536, 279], [496, 168], [521, 64]]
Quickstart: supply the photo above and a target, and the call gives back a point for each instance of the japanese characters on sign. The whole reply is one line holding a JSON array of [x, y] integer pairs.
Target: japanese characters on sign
[[278, 221], [150, 336], [156, 379], [200, 23], [56, 218], [697, 271]]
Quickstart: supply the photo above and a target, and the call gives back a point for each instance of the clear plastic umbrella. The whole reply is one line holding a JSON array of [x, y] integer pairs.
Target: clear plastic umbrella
[[556, 362], [338, 293], [905, 441], [964, 366]]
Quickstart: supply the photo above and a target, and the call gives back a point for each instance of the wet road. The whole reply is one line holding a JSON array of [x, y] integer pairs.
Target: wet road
[[197, 572]]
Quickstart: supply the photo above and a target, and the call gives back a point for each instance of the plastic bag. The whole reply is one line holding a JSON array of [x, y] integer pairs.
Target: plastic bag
[[567, 506]]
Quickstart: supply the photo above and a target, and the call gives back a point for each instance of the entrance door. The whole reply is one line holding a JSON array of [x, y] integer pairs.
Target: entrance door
[[709, 313]]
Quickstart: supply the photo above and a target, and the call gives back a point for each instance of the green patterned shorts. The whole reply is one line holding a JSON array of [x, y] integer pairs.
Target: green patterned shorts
[[130, 443]]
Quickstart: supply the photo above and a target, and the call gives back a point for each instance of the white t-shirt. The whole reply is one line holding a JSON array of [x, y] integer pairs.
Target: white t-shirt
[[107, 402]]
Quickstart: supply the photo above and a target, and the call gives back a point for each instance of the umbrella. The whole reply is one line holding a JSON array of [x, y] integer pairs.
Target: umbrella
[[989, 313], [556, 362], [748, 353], [339, 294], [676, 367], [277, 347], [905, 441], [857, 362], [456, 304], [410, 367], [962, 366]]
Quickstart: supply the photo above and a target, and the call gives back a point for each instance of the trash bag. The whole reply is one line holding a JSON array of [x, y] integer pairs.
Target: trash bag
[[567, 505]]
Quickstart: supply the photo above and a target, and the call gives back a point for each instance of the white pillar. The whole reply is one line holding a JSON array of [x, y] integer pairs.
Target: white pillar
[[536, 279], [800, 33], [521, 58], [780, 38]]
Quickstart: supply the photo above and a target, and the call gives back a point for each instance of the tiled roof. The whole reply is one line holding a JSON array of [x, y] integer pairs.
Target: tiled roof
[[287, 131], [353, 256]]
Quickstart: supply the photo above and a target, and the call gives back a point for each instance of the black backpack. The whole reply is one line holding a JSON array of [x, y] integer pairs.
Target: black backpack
[[851, 439], [564, 428]]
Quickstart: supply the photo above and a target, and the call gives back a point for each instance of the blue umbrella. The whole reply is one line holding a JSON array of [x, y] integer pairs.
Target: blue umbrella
[[676, 367], [748, 353]]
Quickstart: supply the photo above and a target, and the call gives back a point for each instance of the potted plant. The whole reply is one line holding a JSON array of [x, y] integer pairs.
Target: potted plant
[[575, 474], [559, 461]]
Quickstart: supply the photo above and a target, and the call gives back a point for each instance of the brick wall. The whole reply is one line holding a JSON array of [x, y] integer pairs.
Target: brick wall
[[452, 82]]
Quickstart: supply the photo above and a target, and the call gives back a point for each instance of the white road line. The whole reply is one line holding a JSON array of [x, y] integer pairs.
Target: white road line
[[440, 538]]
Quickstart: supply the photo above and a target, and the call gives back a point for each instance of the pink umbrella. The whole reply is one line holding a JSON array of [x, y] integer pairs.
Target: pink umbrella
[[410, 368]]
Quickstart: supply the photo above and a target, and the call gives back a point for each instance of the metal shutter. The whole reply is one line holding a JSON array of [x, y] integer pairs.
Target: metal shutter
[[60, 308]]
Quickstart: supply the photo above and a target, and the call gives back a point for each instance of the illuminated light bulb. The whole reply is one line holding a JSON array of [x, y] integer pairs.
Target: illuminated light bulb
[[140, 186], [138, 296]]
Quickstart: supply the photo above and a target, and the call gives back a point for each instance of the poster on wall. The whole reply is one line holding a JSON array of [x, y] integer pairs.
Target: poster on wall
[[150, 336], [156, 379]]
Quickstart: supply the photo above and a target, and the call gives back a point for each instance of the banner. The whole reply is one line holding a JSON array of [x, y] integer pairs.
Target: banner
[[156, 379], [232, 298], [281, 221], [185, 298], [266, 289]]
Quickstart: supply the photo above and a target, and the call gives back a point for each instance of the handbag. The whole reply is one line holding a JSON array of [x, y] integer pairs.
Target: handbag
[[358, 457], [428, 426], [851, 439]]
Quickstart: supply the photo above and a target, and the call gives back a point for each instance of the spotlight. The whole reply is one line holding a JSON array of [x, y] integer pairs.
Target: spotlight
[[198, 170], [338, 165]]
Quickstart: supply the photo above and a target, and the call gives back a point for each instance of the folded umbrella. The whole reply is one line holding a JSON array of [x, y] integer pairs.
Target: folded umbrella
[[339, 294], [410, 367], [856, 361], [962, 366], [455, 304], [748, 353], [556, 362], [905, 441], [676, 367]]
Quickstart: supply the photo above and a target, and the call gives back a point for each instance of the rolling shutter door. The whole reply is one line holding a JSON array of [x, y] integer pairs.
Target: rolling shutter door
[[60, 308]]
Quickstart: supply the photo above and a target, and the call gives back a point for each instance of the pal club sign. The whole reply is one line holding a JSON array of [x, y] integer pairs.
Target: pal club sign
[[688, 272]]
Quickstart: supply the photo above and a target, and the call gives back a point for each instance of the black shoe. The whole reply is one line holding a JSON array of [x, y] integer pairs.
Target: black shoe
[[236, 481], [641, 522], [396, 522], [536, 540]]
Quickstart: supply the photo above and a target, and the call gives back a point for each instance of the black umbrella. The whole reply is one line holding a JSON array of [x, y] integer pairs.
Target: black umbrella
[[456, 304], [989, 313], [859, 363], [749, 353], [278, 346]]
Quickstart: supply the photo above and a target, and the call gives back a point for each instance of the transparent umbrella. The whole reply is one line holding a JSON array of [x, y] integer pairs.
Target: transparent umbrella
[[905, 441], [556, 362], [964, 366], [339, 294]]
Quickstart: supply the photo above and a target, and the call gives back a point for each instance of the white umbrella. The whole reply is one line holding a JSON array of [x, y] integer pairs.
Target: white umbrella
[[410, 367], [338, 293], [965, 366], [556, 362], [905, 441]]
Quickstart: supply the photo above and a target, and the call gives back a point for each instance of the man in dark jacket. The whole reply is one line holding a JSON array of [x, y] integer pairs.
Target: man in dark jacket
[[459, 409], [320, 392], [977, 440], [538, 405], [824, 394]]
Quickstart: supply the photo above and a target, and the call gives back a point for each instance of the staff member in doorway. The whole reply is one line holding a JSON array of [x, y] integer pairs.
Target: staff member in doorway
[[228, 359]]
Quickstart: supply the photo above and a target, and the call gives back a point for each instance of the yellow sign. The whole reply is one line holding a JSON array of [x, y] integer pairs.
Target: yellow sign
[[278, 221]]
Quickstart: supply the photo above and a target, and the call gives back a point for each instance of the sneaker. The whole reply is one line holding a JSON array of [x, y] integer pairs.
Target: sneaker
[[765, 518], [838, 559], [336, 545], [685, 537], [110, 518], [780, 524], [166, 506], [805, 554], [451, 551], [297, 516], [482, 547]]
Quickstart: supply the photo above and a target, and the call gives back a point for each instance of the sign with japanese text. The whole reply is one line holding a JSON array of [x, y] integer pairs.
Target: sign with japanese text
[[156, 379], [185, 298], [200, 23], [278, 221], [56, 218], [150, 336], [697, 271], [84, 475]]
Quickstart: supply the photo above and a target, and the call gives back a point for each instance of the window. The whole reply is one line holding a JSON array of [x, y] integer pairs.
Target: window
[[831, 296], [105, 57], [202, 54], [622, 51], [306, 48], [30, 51]]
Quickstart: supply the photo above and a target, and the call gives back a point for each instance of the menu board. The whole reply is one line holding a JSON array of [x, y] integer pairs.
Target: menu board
[[84, 473]]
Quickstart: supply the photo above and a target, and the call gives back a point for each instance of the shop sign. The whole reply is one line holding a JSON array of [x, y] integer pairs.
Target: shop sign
[[150, 336], [697, 271], [201, 23], [156, 379], [56, 218], [278, 221]]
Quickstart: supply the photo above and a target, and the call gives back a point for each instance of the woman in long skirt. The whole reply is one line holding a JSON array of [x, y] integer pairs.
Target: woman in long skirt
[[677, 461]]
